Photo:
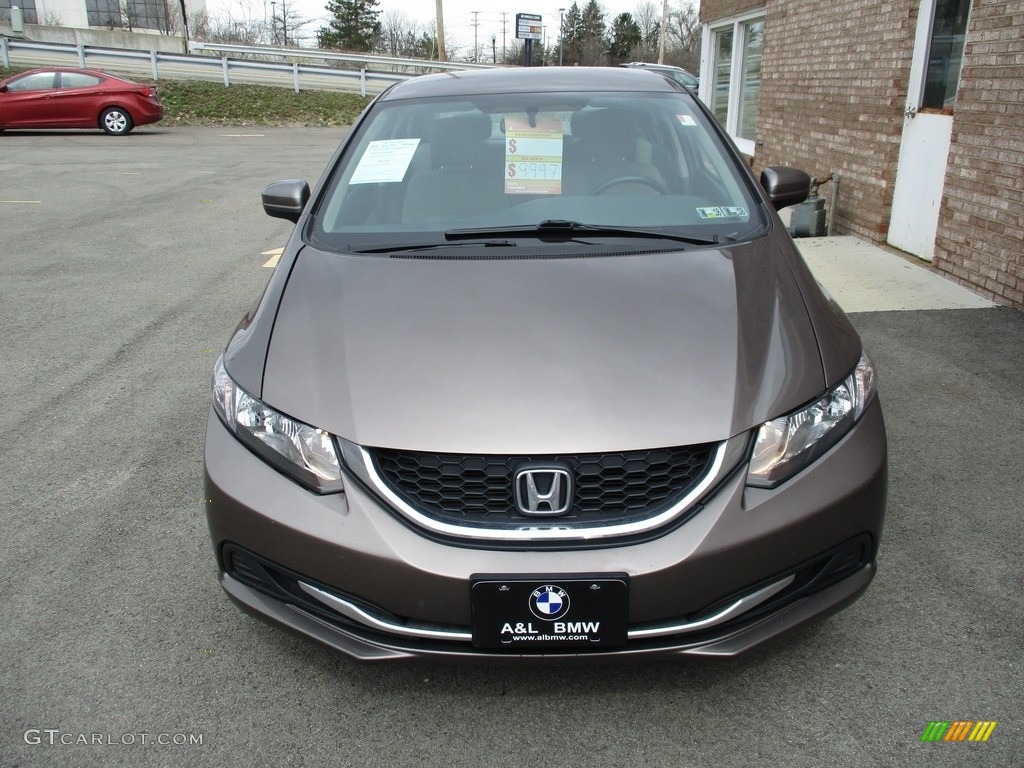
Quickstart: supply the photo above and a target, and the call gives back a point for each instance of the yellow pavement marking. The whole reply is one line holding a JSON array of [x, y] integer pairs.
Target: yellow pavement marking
[[275, 256]]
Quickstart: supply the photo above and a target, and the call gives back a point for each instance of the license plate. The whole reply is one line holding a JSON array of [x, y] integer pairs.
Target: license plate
[[528, 613]]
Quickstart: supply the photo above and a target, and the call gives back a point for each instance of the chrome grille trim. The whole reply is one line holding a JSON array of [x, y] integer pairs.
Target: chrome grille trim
[[360, 616], [741, 606], [726, 455]]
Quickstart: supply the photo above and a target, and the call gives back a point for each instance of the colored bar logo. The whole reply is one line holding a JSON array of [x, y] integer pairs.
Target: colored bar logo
[[959, 730]]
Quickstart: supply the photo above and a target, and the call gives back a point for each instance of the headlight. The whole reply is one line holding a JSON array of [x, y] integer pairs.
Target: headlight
[[305, 453], [787, 444]]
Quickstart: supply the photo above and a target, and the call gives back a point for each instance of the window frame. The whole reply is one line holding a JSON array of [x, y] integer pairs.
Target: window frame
[[738, 25]]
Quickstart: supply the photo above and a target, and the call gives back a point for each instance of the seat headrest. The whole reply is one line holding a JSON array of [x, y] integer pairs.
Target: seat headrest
[[605, 134], [458, 140]]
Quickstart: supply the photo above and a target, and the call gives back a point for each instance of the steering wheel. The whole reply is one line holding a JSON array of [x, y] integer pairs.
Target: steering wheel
[[647, 181]]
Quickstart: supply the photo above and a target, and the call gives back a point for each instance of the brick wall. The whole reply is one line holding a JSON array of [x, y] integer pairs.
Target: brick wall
[[833, 90], [980, 239], [722, 9]]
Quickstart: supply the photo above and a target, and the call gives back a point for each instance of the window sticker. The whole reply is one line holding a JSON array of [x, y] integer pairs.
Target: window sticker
[[685, 120], [721, 212], [385, 161], [533, 156]]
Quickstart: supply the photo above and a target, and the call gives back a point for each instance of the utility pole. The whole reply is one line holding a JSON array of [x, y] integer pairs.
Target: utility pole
[[476, 45], [661, 32], [561, 39], [503, 15], [494, 48], [441, 55]]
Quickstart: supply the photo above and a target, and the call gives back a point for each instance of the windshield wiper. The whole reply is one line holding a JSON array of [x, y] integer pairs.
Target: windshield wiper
[[400, 248], [559, 228]]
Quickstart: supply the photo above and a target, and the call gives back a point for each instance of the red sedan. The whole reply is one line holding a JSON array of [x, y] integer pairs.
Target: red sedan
[[76, 98]]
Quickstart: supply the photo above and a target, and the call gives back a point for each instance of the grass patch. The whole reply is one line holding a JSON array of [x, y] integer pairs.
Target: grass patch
[[195, 102]]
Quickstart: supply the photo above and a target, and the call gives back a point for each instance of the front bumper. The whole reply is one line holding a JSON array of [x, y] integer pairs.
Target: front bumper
[[822, 527]]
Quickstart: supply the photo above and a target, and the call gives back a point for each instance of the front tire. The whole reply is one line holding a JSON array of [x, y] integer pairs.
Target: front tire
[[115, 121]]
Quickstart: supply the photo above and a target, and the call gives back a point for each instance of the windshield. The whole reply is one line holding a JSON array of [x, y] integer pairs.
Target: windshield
[[420, 168]]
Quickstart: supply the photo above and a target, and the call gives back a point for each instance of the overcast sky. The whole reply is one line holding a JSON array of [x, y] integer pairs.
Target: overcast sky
[[458, 15]]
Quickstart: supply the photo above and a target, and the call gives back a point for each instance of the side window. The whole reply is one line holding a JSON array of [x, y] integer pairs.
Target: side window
[[39, 81], [78, 80], [731, 76]]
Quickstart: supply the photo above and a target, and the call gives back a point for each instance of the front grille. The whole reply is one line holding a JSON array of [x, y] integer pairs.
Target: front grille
[[608, 487]]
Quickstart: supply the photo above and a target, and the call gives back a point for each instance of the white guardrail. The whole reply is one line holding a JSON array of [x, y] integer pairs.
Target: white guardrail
[[312, 69]]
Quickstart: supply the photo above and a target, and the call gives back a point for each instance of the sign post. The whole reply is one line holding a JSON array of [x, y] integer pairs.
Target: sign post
[[529, 28]]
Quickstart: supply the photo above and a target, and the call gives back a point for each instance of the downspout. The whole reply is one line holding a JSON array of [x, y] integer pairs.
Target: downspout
[[833, 204]]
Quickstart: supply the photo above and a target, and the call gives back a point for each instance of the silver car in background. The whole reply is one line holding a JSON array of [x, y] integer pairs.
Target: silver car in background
[[540, 375]]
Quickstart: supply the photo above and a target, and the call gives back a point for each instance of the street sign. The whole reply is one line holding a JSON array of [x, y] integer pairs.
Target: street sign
[[529, 27]]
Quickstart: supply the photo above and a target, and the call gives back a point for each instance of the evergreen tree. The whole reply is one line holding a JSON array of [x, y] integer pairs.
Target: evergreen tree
[[593, 43], [625, 36], [354, 25], [572, 35]]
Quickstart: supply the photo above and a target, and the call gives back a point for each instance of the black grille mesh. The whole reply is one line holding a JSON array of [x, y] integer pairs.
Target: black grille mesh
[[607, 487]]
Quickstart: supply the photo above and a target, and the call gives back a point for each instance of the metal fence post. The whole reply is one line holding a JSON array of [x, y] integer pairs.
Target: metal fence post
[[81, 55], [295, 74], [152, 60], [362, 82], [227, 80], [3, 52]]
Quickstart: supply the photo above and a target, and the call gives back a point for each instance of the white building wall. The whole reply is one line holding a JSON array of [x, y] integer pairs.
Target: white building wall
[[72, 13]]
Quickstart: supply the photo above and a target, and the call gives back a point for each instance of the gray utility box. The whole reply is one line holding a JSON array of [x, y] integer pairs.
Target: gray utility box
[[808, 218]]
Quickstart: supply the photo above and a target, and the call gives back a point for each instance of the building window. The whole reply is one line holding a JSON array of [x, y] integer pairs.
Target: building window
[[151, 14], [130, 14], [945, 54], [731, 75], [723, 71], [28, 8], [103, 13]]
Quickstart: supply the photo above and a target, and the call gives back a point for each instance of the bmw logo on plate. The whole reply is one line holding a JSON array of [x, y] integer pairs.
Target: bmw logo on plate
[[549, 602]]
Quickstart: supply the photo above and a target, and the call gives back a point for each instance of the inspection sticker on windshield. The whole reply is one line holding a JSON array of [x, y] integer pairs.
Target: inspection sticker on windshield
[[385, 161], [533, 156], [685, 120], [719, 212]]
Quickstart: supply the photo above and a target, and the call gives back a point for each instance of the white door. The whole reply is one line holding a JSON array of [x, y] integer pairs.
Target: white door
[[928, 125]]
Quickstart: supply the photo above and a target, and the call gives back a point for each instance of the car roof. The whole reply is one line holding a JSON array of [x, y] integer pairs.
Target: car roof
[[527, 80], [76, 70], [652, 65]]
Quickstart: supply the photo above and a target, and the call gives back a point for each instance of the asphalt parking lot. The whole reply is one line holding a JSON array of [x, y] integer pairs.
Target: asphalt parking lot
[[124, 266]]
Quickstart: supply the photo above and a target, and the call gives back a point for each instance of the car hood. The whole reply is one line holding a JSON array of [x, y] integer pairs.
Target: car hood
[[542, 355]]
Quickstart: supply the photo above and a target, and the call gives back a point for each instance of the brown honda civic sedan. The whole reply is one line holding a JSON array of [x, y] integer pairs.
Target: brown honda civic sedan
[[541, 376]]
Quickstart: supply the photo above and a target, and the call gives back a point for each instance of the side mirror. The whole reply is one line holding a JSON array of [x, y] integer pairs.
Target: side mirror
[[785, 186], [3, 89], [285, 199]]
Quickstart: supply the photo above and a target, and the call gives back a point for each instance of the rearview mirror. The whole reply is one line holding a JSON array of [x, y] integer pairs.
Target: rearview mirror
[[785, 186], [285, 199]]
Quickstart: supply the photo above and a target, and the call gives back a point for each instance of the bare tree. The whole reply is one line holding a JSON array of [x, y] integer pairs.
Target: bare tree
[[240, 24], [682, 45], [287, 24], [402, 36], [647, 16]]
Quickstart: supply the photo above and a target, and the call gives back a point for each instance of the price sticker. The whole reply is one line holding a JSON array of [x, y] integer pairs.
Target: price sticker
[[533, 156]]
